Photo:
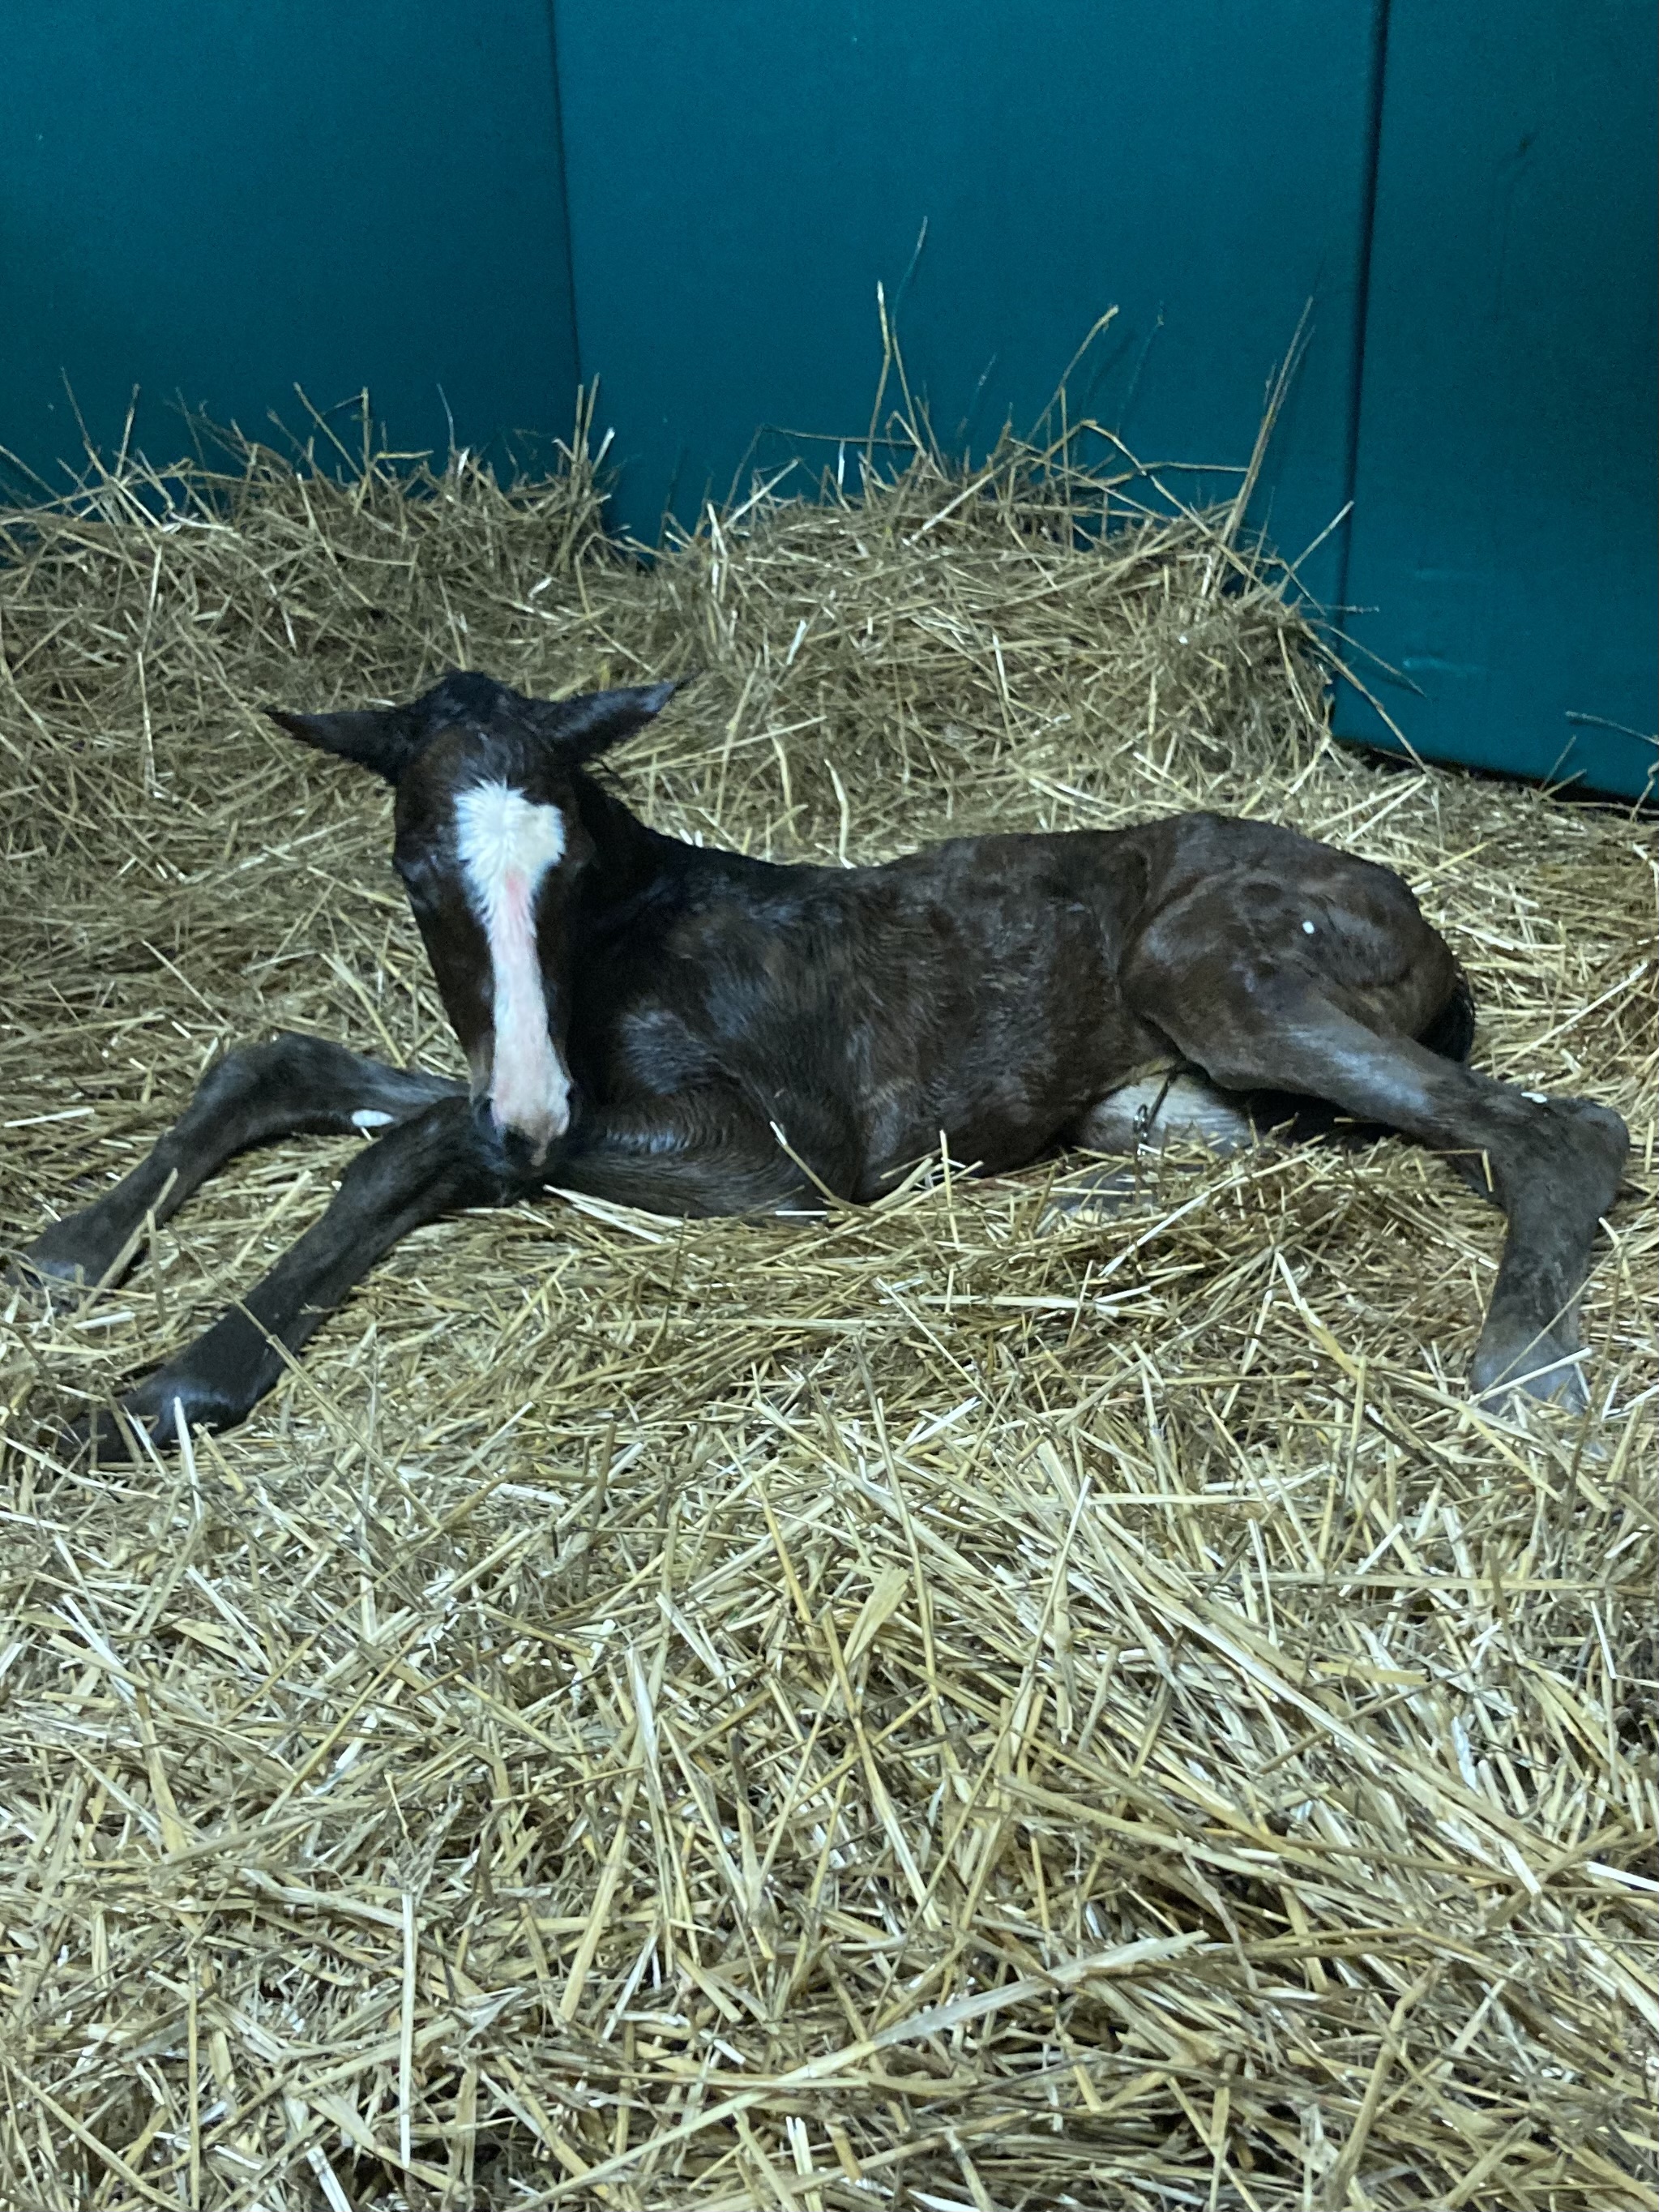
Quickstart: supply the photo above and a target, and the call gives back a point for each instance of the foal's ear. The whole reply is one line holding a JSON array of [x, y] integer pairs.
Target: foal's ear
[[584, 727], [385, 739]]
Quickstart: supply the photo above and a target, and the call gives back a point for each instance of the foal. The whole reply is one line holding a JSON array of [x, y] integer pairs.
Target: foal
[[692, 1031]]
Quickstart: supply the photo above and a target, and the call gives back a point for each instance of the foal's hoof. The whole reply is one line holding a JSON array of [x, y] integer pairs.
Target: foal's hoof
[[59, 1282], [98, 1439], [1600, 1144], [1545, 1368], [68, 1262], [101, 1439], [156, 1410]]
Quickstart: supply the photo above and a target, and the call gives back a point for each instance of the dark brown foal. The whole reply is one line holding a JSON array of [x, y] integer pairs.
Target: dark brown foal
[[690, 1030]]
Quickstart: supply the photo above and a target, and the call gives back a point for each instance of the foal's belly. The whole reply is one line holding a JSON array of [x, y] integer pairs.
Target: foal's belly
[[967, 994], [1013, 1081]]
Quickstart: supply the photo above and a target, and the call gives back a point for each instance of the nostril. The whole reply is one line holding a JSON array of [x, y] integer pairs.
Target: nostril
[[537, 1130], [524, 1152]]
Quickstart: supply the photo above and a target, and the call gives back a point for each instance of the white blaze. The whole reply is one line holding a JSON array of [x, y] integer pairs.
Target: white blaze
[[507, 845]]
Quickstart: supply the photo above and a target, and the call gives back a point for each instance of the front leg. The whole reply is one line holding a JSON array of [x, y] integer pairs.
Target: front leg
[[704, 1154], [294, 1084], [443, 1159]]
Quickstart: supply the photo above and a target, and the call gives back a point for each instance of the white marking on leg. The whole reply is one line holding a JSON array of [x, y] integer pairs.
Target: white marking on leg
[[507, 845]]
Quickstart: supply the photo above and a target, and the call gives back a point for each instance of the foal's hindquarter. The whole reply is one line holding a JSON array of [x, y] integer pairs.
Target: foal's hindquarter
[[727, 1037]]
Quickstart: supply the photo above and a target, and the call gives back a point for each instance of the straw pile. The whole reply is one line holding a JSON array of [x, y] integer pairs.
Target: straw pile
[[932, 1709]]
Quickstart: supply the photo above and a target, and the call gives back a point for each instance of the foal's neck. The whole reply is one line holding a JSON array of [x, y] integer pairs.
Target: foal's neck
[[628, 856]]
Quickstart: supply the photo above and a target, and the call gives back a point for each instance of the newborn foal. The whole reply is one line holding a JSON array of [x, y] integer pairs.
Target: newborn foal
[[692, 1031]]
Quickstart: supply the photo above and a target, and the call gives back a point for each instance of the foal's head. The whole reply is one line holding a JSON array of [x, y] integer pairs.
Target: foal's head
[[489, 841]]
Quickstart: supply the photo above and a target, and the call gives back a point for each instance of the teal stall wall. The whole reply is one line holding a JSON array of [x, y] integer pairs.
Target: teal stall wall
[[739, 184], [1504, 528], [215, 201], [469, 206]]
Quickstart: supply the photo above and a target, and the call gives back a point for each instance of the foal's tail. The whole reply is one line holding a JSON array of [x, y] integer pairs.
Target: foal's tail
[[1451, 1031]]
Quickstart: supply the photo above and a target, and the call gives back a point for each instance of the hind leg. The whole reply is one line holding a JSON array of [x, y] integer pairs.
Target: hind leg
[[1250, 1018], [293, 1084]]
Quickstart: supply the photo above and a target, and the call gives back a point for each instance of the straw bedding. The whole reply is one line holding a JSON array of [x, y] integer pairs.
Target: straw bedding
[[940, 1708]]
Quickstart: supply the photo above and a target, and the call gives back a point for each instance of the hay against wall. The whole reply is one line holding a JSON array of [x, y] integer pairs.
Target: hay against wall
[[917, 1710]]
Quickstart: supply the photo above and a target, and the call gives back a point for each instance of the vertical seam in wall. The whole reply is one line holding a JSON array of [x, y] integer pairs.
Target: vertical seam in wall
[[564, 189], [1379, 63]]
